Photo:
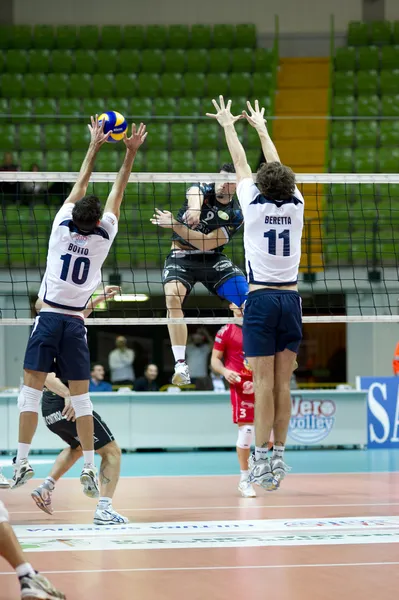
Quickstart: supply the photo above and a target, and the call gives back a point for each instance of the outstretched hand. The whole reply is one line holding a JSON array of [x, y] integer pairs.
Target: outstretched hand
[[98, 137], [223, 114], [256, 118], [110, 291], [163, 218], [137, 138]]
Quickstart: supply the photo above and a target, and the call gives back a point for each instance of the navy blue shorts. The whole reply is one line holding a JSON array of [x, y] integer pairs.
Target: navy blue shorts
[[62, 338], [272, 322]]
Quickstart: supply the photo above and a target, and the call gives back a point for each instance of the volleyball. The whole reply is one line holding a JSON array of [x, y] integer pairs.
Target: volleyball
[[114, 122]]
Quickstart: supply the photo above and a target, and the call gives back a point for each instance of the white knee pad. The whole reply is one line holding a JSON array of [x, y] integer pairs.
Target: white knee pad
[[245, 436], [29, 399], [82, 405], [4, 518]]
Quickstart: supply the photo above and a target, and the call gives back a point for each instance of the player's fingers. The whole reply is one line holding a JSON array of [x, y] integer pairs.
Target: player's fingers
[[251, 110], [144, 136], [221, 101], [257, 105], [211, 115], [262, 112], [228, 107], [216, 105], [133, 128]]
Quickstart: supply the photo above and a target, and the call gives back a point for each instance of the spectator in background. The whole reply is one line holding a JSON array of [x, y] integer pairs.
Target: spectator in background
[[197, 357], [10, 190], [97, 383], [121, 363], [148, 382], [8, 163], [33, 188]]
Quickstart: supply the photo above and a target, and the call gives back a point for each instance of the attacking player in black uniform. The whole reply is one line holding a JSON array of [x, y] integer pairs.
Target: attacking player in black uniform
[[204, 225]]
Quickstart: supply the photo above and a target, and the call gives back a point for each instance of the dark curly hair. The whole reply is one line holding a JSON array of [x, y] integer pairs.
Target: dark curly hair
[[86, 213], [276, 181], [227, 168]]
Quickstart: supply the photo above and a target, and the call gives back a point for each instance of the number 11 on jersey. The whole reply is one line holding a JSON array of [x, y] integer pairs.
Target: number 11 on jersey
[[272, 237]]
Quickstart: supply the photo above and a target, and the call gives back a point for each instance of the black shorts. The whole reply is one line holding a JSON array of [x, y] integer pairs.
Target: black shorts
[[190, 268], [52, 407]]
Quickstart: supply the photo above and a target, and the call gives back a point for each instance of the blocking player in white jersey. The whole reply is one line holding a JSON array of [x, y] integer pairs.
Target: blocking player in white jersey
[[79, 244], [273, 211]]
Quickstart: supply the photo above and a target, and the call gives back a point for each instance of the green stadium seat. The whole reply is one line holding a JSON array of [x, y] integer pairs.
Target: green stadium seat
[[223, 36], [148, 84], [55, 137], [156, 36], [242, 59], [43, 37], [17, 220], [216, 84], [389, 133], [250, 134], [206, 161], [395, 32], [344, 82], [157, 161], [197, 60], [62, 61], [92, 107], [31, 157], [76, 158], [367, 133], [388, 159], [368, 106], [264, 60], [175, 61], [164, 107], [342, 134], [182, 162], [69, 107], [108, 162], [365, 160], [388, 194], [219, 60], [57, 161], [78, 137], [12, 85], [8, 138], [190, 107], [119, 104], [16, 61], [4, 108], [207, 135], [201, 36], [2, 59], [241, 84], [111, 37], [182, 136], [358, 34], [390, 57], [133, 36], [141, 107], [21, 37], [58, 85], [66, 37], [152, 61], [245, 36], [194, 84], [345, 59], [5, 36], [390, 106], [102, 85], [85, 61], [262, 83], [341, 160], [368, 58], [367, 82], [35, 85], [107, 61], [42, 215], [171, 85], [20, 109], [88, 37], [79, 85], [159, 136], [389, 82], [30, 137], [178, 36], [39, 61], [129, 61], [45, 109], [125, 84], [380, 32]]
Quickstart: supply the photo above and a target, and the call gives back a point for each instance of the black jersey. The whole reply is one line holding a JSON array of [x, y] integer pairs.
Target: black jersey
[[214, 215]]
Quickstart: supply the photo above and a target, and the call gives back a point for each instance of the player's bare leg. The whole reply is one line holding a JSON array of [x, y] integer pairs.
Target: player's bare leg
[[28, 403], [109, 477], [244, 441], [175, 292]]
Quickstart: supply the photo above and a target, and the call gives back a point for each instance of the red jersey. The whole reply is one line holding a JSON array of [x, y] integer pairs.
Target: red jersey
[[229, 341]]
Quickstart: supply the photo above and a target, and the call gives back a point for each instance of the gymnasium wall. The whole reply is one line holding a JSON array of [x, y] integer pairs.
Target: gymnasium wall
[[392, 10], [299, 16]]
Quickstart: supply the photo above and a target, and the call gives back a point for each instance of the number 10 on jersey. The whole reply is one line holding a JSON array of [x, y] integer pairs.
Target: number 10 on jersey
[[80, 270]]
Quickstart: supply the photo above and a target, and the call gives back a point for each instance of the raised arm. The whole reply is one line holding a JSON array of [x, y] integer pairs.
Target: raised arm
[[132, 144], [110, 292], [98, 138], [195, 199], [202, 241], [237, 152], [257, 120]]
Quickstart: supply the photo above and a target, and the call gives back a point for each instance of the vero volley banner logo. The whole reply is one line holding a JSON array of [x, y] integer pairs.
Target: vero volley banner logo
[[382, 410], [311, 420]]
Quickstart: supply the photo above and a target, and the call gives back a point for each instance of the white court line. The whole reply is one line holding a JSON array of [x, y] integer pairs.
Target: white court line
[[237, 507], [226, 568]]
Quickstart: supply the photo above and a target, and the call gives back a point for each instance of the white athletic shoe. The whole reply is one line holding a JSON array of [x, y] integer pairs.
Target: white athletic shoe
[[37, 586], [181, 375], [108, 516], [42, 496], [260, 472], [279, 469], [4, 483], [89, 480], [246, 489], [22, 473]]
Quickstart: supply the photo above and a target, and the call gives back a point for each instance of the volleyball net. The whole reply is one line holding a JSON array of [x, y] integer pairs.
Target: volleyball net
[[349, 269]]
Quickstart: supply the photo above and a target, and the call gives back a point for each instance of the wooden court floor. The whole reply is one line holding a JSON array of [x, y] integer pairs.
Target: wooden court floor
[[320, 537]]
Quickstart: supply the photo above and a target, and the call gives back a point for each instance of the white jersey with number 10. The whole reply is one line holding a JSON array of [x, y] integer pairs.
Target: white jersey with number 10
[[272, 235], [74, 260]]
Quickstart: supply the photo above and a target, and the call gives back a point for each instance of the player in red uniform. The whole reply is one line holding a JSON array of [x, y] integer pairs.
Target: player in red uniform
[[228, 360]]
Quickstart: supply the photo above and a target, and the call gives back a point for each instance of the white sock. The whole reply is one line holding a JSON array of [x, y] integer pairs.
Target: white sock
[[88, 456], [244, 475], [23, 451], [179, 352], [278, 452], [260, 453], [104, 502], [24, 570], [50, 483]]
